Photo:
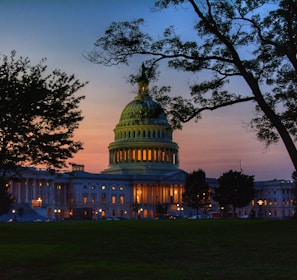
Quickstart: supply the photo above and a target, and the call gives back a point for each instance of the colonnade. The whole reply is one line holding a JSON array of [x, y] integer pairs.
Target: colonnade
[[164, 134], [38, 191], [130, 155], [157, 193]]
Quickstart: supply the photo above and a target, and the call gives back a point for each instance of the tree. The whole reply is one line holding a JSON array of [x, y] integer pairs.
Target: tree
[[252, 40], [235, 189], [161, 209], [5, 197], [294, 190], [38, 115], [197, 191]]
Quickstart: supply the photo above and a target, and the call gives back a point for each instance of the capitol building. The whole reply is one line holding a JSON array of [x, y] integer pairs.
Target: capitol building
[[143, 172]]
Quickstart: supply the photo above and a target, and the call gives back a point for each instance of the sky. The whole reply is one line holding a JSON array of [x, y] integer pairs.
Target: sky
[[63, 30]]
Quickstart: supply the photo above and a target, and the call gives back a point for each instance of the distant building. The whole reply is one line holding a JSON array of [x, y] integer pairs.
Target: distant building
[[142, 173]]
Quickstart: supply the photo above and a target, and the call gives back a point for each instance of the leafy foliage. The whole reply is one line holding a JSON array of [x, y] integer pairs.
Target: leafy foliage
[[5, 197], [197, 191], [161, 209], [253, 40], [38, 115], [235, 189]]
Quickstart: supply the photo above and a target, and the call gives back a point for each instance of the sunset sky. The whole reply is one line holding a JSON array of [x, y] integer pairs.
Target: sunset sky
[[63, 30]]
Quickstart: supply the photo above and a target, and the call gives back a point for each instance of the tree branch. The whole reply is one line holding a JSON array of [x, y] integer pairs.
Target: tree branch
[[197, 111]]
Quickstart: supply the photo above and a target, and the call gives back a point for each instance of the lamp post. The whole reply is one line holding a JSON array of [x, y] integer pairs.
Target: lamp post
[[14, 215], [39, 202], [179, 208], [260, 203], [57, 213], [222, 208]]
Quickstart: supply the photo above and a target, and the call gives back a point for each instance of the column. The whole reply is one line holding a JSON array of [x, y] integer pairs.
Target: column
[[19, 195]]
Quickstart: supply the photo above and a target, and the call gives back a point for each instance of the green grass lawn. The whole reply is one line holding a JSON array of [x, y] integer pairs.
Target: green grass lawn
[[164, 249]]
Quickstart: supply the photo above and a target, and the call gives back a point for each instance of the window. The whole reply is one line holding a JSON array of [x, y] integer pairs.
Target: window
[[93, 199], [113, 199], [85, 199], [122, 199], [121, 188], [113, 188], [103, 198], [103, 187], [93, 187]]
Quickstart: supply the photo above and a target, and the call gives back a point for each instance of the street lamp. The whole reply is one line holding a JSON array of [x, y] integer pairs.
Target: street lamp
[[179, 209], [39, 200], [13, 212], [57, 213], [260, 203]]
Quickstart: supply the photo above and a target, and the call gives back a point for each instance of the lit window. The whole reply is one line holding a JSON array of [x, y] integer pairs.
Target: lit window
[[121, 188], [103, 187], [85, 199], [113, 188], [93, 187], [122, 199], [149, 156], [93, 199], [113, 199]]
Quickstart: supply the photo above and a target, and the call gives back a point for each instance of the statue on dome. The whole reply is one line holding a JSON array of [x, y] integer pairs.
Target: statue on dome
[[143, 80]]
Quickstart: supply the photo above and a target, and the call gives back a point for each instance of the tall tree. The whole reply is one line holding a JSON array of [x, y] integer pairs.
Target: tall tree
[[38, 115], [235, 189], [252, 40], [6, 199], [197, 192], [294, 190]]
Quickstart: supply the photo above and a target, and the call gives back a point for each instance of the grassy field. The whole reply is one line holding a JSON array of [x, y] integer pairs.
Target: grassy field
[[164, 249]]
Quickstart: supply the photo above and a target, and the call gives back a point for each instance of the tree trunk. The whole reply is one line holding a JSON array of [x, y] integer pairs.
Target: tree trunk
[[283, 132]]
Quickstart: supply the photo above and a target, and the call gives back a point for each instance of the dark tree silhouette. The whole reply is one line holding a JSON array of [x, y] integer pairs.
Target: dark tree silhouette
[[235, 189], [38, 115], [294, 177], [197, 191], [6, 199]]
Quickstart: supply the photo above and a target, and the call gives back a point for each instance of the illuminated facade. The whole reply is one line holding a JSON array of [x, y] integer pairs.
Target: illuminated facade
[[142, 173]]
